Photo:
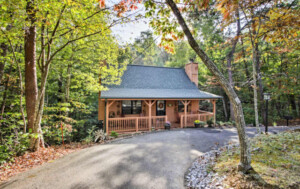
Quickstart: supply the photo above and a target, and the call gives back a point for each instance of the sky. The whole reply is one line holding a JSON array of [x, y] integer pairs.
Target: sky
[[127, 32]]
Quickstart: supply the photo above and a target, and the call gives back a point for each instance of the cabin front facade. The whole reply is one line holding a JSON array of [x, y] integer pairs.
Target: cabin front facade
[[150, 96]]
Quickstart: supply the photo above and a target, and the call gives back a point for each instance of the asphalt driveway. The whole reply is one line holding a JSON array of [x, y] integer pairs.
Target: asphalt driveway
[[155, 160]]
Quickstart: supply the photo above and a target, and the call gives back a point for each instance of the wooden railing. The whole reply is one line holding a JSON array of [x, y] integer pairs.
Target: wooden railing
[[158, 122], [143, 124], [135, 124], [192, 117]]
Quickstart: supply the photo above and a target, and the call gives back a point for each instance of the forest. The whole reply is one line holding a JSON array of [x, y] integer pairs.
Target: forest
[[54, 53]]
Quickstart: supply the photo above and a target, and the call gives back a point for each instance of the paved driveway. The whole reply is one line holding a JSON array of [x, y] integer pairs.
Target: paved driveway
[[155, 160]]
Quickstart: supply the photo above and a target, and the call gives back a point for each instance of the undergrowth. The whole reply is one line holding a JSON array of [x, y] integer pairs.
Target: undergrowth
[[275, 162]]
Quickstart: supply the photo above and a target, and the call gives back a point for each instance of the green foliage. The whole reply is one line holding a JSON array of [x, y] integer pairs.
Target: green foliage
[[13, 142], [144, 51], [114, 134], [53, 134], [275, 159], [90, 137], [210, 122]]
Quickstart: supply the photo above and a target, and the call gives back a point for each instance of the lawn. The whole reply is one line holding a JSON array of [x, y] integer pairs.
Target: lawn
[[275, 162]]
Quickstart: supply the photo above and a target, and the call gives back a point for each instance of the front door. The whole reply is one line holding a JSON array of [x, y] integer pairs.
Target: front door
[[161, 108]]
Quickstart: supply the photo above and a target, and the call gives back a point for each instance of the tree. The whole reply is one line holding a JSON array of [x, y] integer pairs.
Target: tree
[[73, 21], [245, 156], [146, 52]]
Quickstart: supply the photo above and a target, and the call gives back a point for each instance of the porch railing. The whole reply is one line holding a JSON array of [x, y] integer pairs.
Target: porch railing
[[190, 118], [135, 124], [158, 122]]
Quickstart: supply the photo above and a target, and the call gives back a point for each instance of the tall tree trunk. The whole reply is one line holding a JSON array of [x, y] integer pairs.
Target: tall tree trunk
[[260, 85], [248, 77], [254, 54], [298, 113], [60, 85], [40, 109], [293, 104], [254, 43], [225, 109], [68, 82], [229, 69], [3, 47], [5, 93], [245, 156], [230, 58], [31, 88]]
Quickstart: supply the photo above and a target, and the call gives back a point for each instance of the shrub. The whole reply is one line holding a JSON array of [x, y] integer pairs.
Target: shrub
[[99, 135], [90, 135], [12, 146], [13, 142], [210, 122], [202, 123], [53, 134], [114, 134]]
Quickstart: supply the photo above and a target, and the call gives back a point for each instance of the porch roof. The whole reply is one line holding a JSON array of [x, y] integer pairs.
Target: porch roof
[[149, 82], [157, 94]]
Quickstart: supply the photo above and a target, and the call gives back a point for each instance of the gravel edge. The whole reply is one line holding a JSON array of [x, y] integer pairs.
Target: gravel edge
[[199, 175]]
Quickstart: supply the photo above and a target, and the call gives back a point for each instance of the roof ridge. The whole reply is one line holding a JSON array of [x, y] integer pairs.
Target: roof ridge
[[153, 66]]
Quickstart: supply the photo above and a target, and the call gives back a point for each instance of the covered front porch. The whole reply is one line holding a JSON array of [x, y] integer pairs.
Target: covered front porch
[[134, 115]]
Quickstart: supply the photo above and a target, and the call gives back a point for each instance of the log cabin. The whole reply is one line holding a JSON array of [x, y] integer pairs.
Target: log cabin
[[150, 96]]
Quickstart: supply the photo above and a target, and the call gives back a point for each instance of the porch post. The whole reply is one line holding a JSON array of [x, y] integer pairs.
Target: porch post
[[149, 104], [214, 111], [185, 103], [107, 113], [136, 124], [106, 116], [185, 114], [149, 108]]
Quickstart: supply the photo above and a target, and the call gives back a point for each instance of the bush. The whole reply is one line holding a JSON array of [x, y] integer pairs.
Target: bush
[[12, 146], [99, 135], [90, 135], [202, 123], [210, 122], [53, 134], [114, 134], [13, 142]]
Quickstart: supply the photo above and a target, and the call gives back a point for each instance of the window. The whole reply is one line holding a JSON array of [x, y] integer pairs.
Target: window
[[131, 106], [180, 106]]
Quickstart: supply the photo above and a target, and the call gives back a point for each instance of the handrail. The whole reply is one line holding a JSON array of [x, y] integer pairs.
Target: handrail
[[200, 111], [130, 124], [190, 118]]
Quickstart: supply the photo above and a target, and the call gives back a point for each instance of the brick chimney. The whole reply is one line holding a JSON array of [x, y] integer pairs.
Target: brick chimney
[[191, 69]]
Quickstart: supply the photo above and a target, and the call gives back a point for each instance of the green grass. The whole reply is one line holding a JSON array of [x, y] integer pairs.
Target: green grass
[[275, 162]]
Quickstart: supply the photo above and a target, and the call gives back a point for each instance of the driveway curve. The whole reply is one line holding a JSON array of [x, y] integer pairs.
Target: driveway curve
[[154, 160]]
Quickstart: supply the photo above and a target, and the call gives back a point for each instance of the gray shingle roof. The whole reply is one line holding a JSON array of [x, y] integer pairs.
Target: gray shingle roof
[[149, 82]]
